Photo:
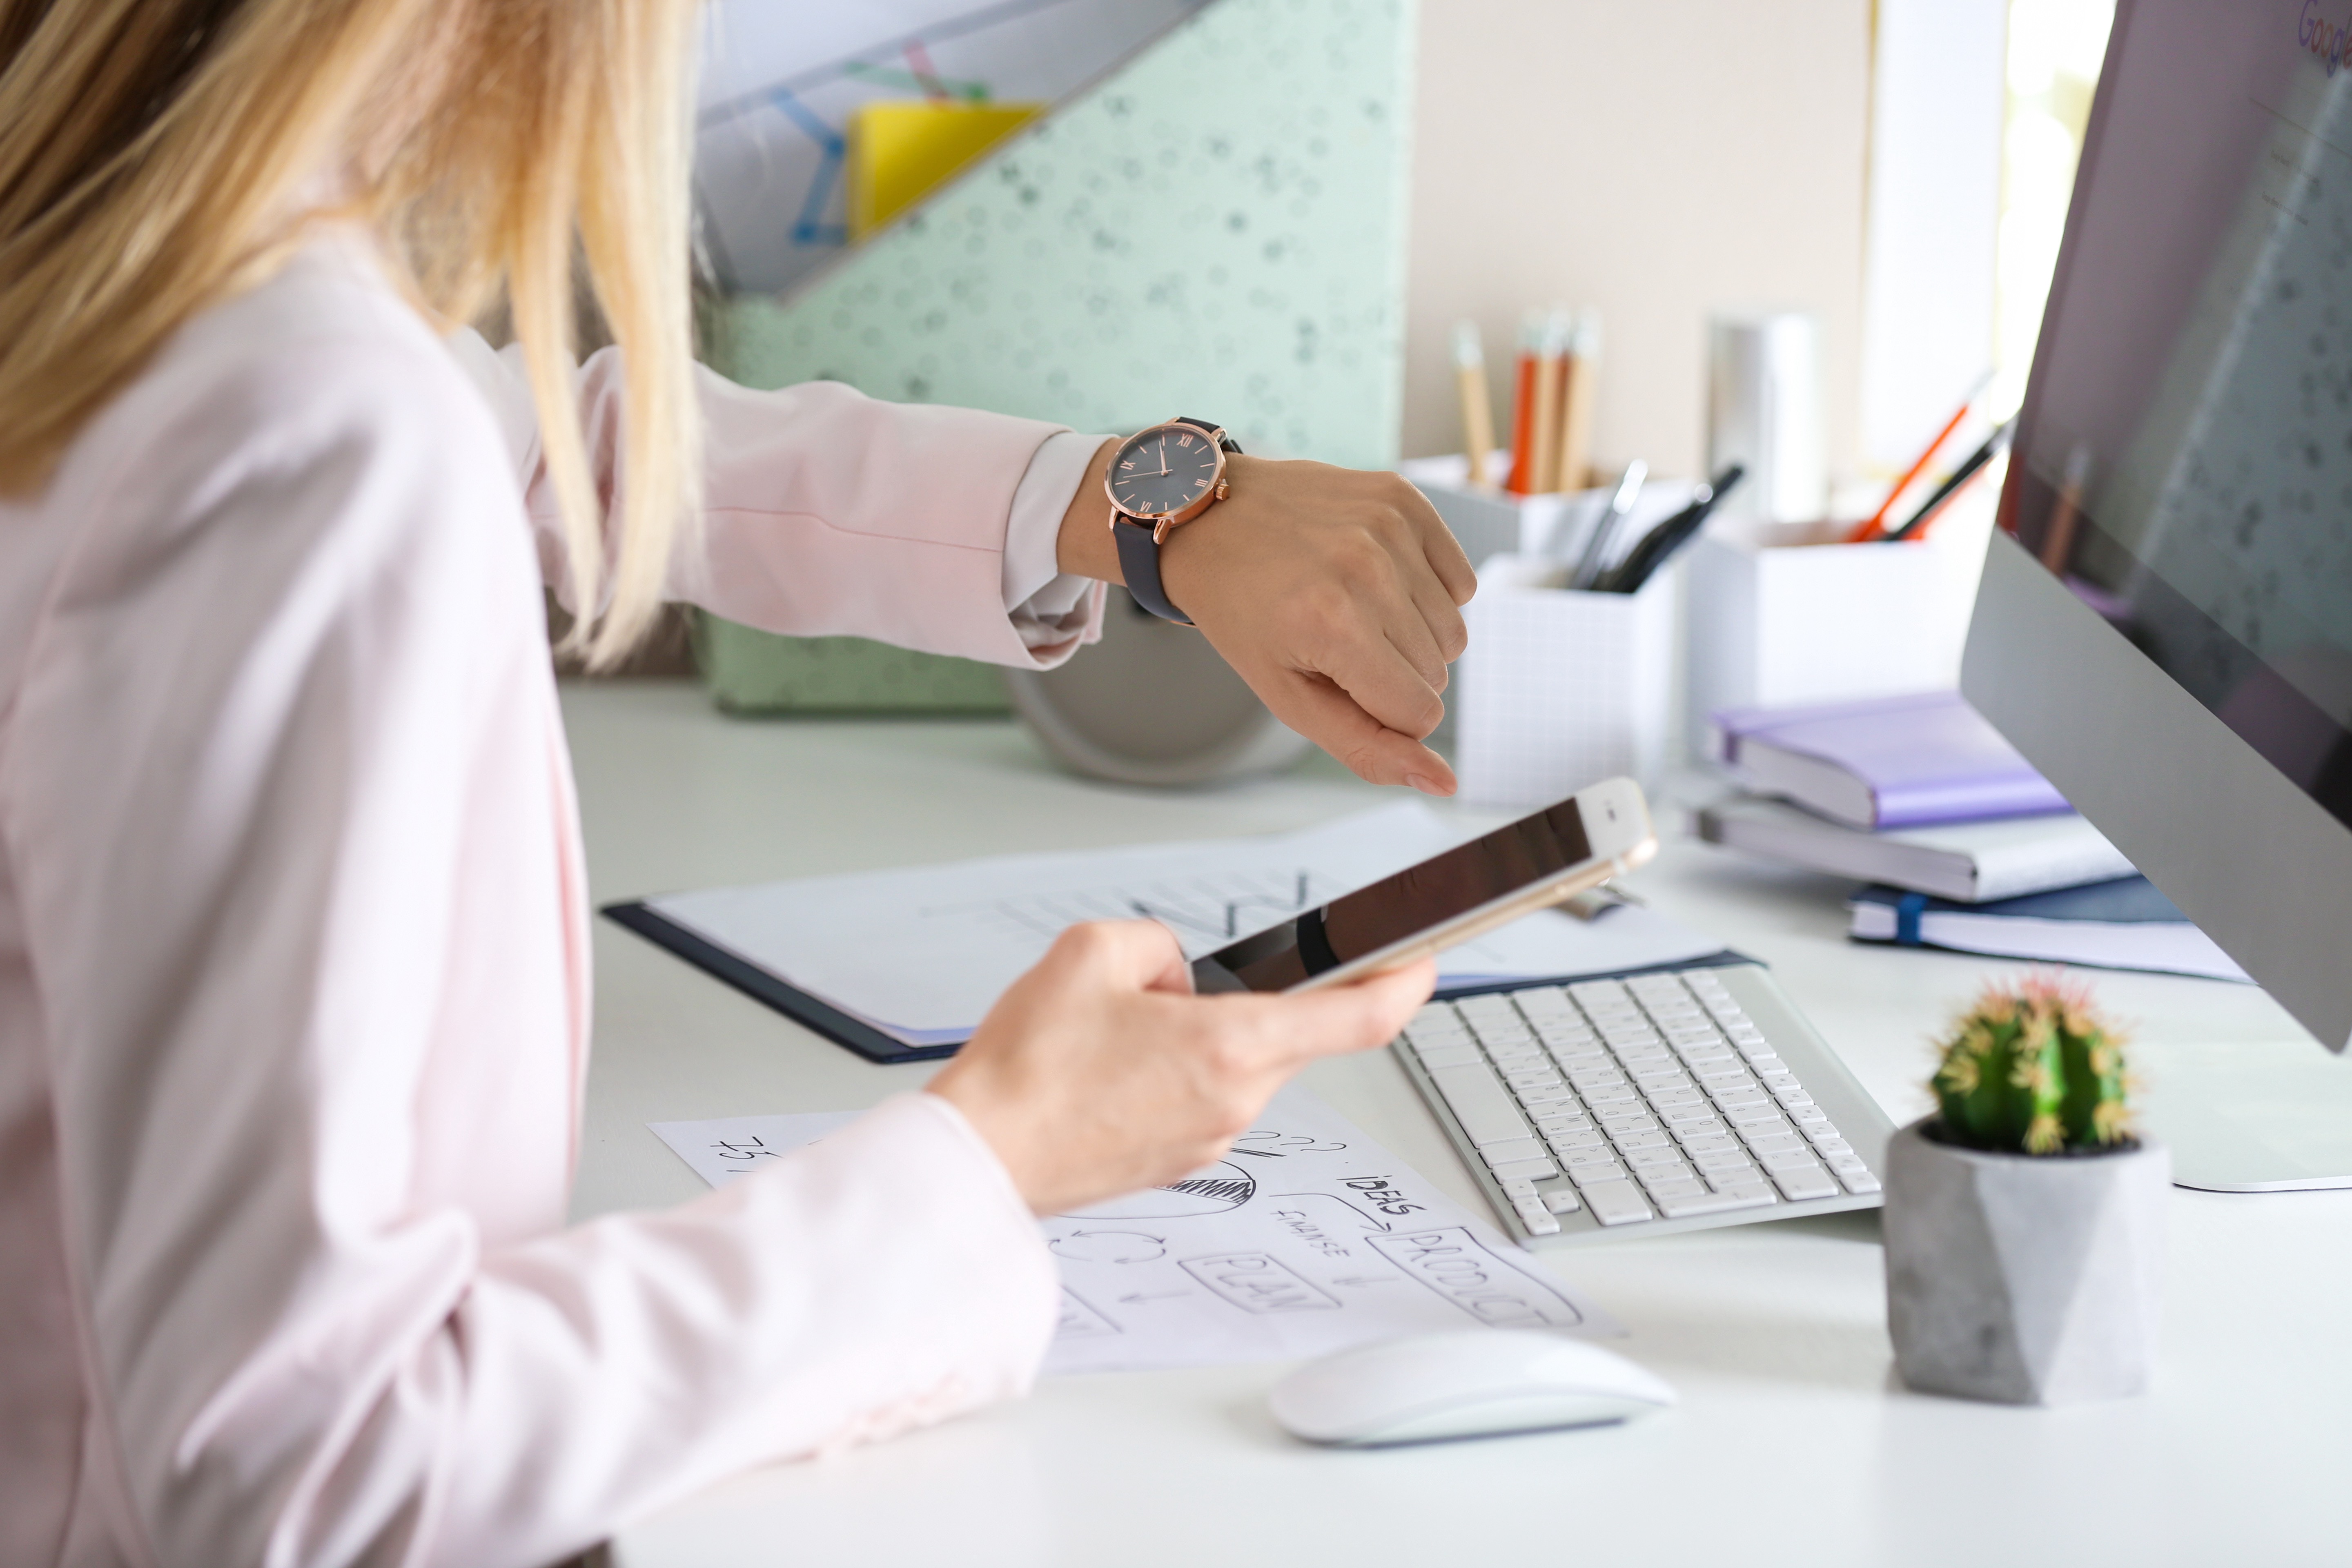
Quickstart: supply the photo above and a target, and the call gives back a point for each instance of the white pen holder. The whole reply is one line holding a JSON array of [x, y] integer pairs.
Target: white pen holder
[[1779, 619], [1558, 688]]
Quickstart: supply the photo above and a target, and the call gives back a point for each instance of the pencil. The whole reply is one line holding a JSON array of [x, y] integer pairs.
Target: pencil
[[1876, 524], [1523, 408], [1477, 413], [1548, 350], [1579, 379]]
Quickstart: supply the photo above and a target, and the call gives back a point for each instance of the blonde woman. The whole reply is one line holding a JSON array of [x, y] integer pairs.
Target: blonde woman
[[293, 964]]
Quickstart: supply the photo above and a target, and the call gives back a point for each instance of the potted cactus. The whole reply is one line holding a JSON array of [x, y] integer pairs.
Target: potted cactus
[[2024, 1217]]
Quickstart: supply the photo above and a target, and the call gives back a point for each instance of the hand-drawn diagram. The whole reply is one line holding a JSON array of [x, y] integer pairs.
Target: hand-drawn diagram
[[1108, 1246], [1307, 1238], [1257, 1282], [1316, 1239], [1222, 1187]]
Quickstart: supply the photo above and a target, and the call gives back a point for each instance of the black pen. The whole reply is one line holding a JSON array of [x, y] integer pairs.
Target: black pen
[[1960, 476], [1659, 544]]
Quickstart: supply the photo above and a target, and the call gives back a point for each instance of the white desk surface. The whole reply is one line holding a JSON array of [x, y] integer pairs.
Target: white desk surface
[[1793, 1443]]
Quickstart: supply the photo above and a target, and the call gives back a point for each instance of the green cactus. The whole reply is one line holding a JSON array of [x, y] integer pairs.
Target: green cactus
[[2033, 1070]]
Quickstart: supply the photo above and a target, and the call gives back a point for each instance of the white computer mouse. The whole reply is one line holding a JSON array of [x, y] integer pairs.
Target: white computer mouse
[[1473, 1382]]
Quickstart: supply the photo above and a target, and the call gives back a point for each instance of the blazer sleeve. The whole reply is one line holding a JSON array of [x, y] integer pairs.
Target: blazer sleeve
[[825, 511], [278, 796]]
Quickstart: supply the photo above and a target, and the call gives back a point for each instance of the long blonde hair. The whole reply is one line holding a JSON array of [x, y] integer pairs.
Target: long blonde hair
[[155, 156]]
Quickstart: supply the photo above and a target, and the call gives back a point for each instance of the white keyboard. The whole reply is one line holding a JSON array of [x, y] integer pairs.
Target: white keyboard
[[1664, 1101]]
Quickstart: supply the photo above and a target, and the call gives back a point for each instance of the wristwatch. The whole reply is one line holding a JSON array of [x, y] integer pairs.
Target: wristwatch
[[1159, 478]]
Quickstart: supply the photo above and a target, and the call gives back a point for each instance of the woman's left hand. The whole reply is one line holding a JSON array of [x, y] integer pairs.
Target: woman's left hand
[[1336, 592]]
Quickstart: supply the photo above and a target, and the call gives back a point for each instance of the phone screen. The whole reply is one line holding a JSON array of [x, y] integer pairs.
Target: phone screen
[[1370, 919]]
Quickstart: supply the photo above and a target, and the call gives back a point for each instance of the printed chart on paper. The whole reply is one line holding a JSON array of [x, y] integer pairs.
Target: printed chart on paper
[[1306, 1239]]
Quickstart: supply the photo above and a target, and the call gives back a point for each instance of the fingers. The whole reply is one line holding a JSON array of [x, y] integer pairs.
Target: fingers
[[1367, 1013], [1317, 708], [1124, 954], [1441, 550]]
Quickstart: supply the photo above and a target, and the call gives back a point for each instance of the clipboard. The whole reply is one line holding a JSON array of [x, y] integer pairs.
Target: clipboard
[[877, 1047], [761, 986]]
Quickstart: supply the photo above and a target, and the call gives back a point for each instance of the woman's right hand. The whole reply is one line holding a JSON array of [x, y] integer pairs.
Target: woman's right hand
[[1098, 1073]]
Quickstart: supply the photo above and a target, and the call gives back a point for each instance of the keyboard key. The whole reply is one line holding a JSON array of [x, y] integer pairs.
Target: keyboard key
[[1480, 1103], [1724, 1160], [1711, 1143], [1526, 1170], [1599, 1094], [1766, 1136], [1663, 1187], [1659, 1139], [1635, 1120], [1517, 1187], [1651, 1155], [1569, 1142], [1754, 1187], [1464, 1055], [1843, 1163], [1537, 1218], [1520, 1147], [1686, 1206], [1615, 1203], [1828, 1148], [1859, 1180], [1779, 1160], [1758, 1116], [1577, 1159], [1561, 1200], [1808, 1116], [1553, 1126], [1812, 1182], [1598, 1170]]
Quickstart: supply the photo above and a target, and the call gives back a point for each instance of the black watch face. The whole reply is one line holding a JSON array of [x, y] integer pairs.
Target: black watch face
[[1163, 470]]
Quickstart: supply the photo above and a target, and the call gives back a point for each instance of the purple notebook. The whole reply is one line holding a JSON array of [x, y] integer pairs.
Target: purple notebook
[[1886, 762]]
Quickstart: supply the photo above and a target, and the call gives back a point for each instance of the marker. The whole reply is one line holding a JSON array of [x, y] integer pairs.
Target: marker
[[1596, 544], [1523, 407], [1658, 546], [1925, 517]]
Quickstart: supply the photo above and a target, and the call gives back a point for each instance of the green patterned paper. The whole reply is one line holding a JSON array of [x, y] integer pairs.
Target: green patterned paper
[[1215, 229]]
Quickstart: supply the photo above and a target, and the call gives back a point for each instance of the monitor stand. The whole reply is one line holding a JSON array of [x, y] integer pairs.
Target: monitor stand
[[2251, 1115]]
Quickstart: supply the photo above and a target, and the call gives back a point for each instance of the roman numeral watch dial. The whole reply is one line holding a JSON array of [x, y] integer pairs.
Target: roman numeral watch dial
[[1159, 478]]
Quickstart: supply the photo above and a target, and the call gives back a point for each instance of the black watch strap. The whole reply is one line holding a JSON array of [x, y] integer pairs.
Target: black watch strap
[[1139, 555]]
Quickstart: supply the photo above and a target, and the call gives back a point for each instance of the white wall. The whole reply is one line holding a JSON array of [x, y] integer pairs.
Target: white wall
[[1935, 214], [1655, 161]]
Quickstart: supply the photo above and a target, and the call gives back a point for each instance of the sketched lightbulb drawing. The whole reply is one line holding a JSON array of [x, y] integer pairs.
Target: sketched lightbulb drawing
[[1213, 1189]]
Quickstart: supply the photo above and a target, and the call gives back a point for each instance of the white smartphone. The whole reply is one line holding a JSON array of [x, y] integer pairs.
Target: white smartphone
[[1536, 862]]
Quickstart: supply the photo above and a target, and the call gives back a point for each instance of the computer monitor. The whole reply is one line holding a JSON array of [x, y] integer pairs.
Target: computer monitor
[[2164, 625]]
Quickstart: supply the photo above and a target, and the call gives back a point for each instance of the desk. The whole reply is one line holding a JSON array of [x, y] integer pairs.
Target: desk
[[1793, 1443]]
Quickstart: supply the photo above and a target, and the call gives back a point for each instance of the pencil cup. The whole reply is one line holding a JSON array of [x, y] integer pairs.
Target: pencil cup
[[1780, 616], [1558, 688]]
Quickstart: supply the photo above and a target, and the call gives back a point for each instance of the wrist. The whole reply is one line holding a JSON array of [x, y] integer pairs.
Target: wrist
[[1084, 548]]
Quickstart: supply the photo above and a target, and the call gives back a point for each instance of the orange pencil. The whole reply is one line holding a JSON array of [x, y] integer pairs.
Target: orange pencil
[[1523, 407], [1865, 532]]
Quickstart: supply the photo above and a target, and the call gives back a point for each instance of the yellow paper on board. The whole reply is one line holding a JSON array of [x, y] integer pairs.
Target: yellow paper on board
[[901, 151]]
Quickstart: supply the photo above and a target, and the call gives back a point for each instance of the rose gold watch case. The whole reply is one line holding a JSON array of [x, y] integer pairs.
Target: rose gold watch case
[[1162, 521]]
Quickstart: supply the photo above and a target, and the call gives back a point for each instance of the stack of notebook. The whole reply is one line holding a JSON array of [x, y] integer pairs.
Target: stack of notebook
[[1965, 845]]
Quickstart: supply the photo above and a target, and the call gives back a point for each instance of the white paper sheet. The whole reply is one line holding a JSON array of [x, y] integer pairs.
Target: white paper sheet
[[1308, 1238], [921, 952]]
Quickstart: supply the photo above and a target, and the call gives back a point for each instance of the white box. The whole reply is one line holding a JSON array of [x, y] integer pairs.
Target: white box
[[1560, 689], [1778, 618]]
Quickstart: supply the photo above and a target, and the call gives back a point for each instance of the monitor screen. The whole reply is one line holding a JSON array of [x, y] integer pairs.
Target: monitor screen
[[2184, 458]]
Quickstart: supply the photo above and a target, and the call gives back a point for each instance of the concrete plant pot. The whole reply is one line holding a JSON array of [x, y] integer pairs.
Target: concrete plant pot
[[2025, 1279]]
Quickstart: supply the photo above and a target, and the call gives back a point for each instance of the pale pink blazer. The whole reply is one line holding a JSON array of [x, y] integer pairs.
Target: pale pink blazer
[[294, 976]]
